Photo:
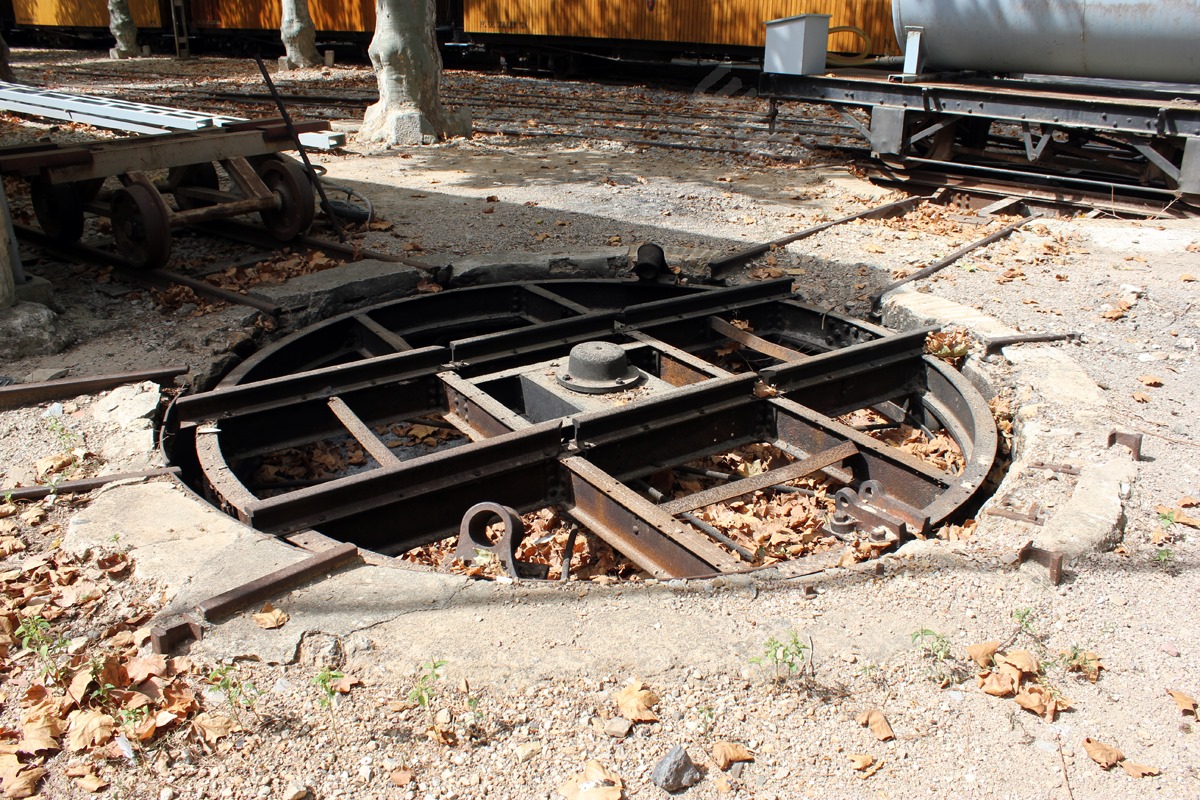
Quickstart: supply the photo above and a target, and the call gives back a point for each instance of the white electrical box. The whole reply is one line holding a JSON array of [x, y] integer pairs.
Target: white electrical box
[[797, 45]]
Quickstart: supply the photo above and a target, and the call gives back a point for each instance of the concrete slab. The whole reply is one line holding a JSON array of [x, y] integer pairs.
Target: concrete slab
[[178, 540], [1057, 378], [1094, 518], [603, 262], [330, 291], [907, 309]]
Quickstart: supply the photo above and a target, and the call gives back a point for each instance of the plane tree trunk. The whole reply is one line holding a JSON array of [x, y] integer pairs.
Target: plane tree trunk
[[408, 69], [121, 26], [6, 73], [299, 35]]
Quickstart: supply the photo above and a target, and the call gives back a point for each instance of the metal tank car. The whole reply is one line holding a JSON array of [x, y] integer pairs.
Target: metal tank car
[[1099, 96]]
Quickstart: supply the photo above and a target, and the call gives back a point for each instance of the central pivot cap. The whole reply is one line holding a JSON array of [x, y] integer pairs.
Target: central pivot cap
[[599, 368]]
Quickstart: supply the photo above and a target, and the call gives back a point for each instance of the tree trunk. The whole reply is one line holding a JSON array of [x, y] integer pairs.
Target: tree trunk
[[299, 35], [408, 68], [6, 73], [120, 25], [8, 291]]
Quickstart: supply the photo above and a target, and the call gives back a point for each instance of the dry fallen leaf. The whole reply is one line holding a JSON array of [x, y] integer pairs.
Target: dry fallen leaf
[[635, 702], [861, 761], [344, 684], [982, 653], [1021, 659], [1187, 705], [87, 779], [401, 776], [726, 754], [1150, 380], [1038, 700], [877, 722], [270, 617], [1101, 753], [39, 734], [212, 727], [594, 783], [88, 728], [1085, 662], [1178, 517], [1139, 770], [52, 464], [1141, 397], [996, 684], [22, 781], [139, 669]]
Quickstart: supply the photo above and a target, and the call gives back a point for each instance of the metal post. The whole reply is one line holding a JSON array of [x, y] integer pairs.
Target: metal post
[[326, 206]]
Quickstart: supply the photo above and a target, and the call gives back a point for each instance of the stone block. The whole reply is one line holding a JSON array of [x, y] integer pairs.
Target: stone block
[[31, 329], [330, 291]]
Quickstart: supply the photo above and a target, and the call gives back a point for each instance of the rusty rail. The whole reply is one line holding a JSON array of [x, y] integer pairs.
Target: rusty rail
[[24, 394]]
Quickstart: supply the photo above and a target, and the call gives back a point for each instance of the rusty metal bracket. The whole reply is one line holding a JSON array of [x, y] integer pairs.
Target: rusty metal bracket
[[1131, 440], [473, 538], [873, 493], [1051, 559], [999, 342], [164, 637], [1065, 469], [855, 511], [1034, 515]]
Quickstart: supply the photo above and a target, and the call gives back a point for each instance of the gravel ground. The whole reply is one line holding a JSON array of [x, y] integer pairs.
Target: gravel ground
[[522, 732]]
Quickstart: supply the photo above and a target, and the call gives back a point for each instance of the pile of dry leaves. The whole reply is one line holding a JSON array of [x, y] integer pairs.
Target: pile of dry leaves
[[76, 696]]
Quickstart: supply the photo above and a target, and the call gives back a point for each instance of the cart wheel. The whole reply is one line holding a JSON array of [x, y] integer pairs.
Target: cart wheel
[[290, 183], [140, 226], [198, 176], [59, 209]]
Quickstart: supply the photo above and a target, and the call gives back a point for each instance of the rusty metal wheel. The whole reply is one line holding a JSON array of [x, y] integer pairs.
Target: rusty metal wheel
[[193, 176], [387, 426], [58, 208], [140, 226], [289, 182]]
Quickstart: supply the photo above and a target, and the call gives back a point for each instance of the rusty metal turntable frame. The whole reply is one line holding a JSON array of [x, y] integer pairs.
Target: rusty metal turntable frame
[[456, 353]]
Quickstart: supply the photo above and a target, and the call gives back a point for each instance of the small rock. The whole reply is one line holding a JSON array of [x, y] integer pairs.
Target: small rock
[[1170, 650], [364, 773], [675, 771], [295, 791], [167, 794], [618, 727], [527, 750], [849, 658]]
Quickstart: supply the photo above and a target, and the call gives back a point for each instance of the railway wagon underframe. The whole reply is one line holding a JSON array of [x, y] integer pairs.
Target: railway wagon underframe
[[1086, 133]]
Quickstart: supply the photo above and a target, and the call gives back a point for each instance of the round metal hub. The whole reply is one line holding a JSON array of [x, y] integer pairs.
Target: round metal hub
[[599, 368], [384, 427]]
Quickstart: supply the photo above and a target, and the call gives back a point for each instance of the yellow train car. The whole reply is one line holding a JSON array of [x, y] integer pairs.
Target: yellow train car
[[329, 16], [710, 23], [79, 14]]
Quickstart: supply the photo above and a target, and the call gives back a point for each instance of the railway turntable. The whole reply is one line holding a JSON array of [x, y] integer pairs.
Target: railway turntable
[[605, 404]]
